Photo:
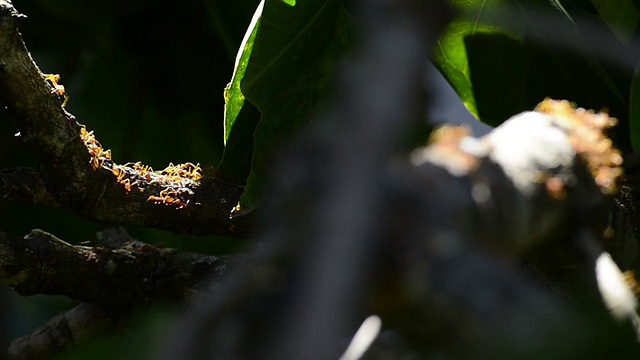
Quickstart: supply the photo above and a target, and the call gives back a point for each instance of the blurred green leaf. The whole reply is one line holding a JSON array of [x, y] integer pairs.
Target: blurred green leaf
[[526, 72], [499, 73], [621, 16], [450, 55]]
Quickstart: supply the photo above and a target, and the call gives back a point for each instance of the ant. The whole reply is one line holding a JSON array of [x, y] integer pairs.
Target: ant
[[58, 89]]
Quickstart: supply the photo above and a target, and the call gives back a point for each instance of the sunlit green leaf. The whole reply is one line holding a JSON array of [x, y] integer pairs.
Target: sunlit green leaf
[[233, 96], [293, 56], [499, 72], [450, 55]]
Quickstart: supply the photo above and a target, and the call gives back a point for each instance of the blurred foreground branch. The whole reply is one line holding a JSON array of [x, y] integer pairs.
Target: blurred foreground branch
[[433, 245]]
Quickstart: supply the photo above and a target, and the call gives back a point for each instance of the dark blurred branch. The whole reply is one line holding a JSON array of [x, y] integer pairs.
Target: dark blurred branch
[[66, 330], [379, 97], [112, 280], [429, 243], [66, 177], [331, 203], [441, 269]]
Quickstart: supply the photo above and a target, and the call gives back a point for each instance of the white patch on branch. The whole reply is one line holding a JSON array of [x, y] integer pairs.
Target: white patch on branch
[[363, 338]]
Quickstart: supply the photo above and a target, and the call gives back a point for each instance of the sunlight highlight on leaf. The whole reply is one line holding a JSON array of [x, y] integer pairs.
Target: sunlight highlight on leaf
[[292, 62], [450, 55], [233, 96]]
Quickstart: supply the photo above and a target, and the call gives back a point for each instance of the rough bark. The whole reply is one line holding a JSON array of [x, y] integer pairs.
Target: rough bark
[[76, 177], [132, 274], [112, 281]]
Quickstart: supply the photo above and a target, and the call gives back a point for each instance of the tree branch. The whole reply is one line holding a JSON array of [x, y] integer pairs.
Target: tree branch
[[131, 275], [75, 173], [64, 331], [26, 187], [112, 281]]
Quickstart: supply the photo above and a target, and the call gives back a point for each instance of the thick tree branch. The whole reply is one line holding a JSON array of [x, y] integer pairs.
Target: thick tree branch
[[129, 276], [112, 280], [76, 174], [625, 246], [26, 187]]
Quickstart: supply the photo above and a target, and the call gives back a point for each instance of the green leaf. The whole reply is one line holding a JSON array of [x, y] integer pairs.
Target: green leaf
[[498, 66], [233, 96], [498, 73], [621, 16], [450, 55], [509, 76], [287, 76], [240, 119], [236, 159]]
